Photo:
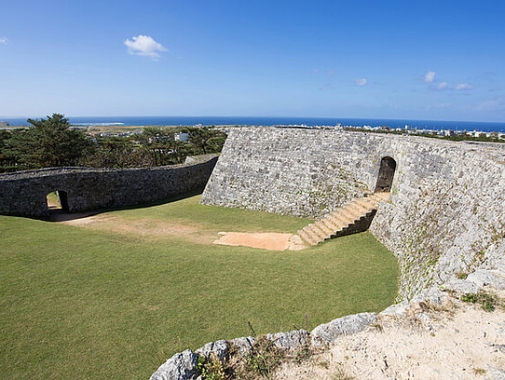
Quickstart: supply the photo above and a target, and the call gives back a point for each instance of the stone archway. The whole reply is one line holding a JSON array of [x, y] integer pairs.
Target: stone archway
[[386, 175], [57, 200]]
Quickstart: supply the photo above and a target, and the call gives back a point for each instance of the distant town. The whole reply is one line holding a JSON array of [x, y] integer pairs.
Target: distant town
[[440, 133], [125, 131], [432, 132]]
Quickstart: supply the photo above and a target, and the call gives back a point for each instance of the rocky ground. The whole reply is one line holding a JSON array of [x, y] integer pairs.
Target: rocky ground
[[455, 340]]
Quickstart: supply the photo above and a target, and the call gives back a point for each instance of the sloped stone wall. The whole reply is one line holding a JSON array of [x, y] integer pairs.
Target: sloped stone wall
[[446, 216], [24, 193], [446, 213], [298, 172]]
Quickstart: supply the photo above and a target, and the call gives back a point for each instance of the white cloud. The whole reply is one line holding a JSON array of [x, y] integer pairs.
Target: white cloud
[[443, 86], [497, 104], [360, 82], [3, 40], [145, 46], [462, 86], [429, 77]]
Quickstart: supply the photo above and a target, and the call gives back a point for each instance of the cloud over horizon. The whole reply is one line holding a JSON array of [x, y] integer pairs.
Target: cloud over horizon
[[3, 40], [144, 46]]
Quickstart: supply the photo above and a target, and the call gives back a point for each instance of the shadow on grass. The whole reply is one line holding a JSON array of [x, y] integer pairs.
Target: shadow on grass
[[59, 215]]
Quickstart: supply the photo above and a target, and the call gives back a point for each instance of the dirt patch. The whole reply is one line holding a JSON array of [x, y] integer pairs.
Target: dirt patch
[[150, 228], [144, 228], [266, 240]]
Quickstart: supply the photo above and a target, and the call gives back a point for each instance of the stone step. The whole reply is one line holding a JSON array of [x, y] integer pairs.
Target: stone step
[[308, 237], [321, 235], [331, 222], [370, 204], [323, 227], [342, 219], [360, 207], [349, 214]]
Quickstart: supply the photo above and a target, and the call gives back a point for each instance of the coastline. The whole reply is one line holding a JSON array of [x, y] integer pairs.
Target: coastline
[[176, 121]]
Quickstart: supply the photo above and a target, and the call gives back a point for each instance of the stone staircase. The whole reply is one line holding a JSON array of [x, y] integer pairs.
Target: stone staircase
[[353, 217]]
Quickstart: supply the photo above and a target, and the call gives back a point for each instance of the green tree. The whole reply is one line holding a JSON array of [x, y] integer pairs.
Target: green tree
[[206, 140], [50, 142], [7, 158], [114, 152]]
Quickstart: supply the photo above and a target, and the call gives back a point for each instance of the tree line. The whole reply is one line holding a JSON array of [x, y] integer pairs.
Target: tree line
[[54, 142]]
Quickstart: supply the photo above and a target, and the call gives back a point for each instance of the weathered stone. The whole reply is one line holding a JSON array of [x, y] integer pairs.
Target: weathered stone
[[328, 333], [181, 366], [219, 348], [244, 345], [494, 373], [433, 295], [290, 340], [483, 277], [84, 189], [399, 309], [461, 286]]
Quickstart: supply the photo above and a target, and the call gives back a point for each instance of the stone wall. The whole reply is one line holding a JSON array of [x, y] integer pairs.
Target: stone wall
[[445, 216], [24, 193], [299, 172]]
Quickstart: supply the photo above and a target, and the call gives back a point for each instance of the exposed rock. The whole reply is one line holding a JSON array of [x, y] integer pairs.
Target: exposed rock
[[461, 286], [181, 366], [457, 340], [244, 345], [290, 340], [483, 277], [219, 348], [329, 332], [433, 296]]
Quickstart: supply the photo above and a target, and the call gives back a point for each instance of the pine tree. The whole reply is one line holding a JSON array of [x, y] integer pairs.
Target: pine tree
[[50, 142]]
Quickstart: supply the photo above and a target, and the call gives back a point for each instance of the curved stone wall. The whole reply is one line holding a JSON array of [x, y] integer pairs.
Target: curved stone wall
[[24, 193], [445, 215], [445, 218]]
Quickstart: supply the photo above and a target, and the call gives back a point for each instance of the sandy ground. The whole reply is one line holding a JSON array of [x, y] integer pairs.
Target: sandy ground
[[149, 228], [268, 240], [461, 342]]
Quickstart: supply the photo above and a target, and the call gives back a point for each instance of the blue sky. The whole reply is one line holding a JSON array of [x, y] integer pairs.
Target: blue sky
[[438, 60]]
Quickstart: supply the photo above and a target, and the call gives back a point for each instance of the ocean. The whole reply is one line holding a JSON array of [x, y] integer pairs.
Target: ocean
[[271, 121]]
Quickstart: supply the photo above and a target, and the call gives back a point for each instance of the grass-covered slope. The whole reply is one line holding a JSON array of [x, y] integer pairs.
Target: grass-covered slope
[[101, 302]]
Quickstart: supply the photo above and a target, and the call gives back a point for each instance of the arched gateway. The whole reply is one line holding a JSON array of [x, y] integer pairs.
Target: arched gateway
[[85, 189], [386, 175]]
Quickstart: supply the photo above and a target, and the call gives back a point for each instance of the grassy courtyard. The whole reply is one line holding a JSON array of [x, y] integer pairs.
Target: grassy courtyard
[[114, 297]]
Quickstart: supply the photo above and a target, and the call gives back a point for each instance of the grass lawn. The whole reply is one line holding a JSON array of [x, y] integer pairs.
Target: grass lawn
[[102, 302]]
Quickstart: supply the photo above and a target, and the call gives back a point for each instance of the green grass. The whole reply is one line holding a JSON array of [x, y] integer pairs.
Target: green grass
[[90, 304]]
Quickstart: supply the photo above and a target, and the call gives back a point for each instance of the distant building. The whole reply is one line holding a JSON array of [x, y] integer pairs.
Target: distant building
[[181, 136], [4, 124]]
